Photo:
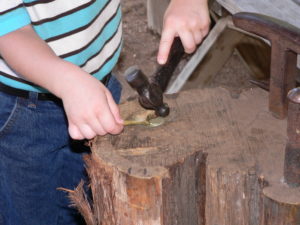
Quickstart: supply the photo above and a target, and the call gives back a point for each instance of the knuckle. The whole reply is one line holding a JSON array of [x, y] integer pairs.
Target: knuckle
[[205, 31], [194, 24], [73, 133], [102, 133], [76, 136], [111, 128], [116, 129], [85, 117], [205, 25], [164, 42], [198, 37], [169, 20], [190, 49], [89, 115], [182, 24], [78, 117], [89, 134], [98, 111]]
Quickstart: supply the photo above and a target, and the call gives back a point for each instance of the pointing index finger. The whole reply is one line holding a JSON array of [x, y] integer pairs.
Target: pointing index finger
[[166, 41]]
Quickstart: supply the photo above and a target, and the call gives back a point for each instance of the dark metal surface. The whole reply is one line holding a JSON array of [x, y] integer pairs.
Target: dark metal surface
[[263, 84], [292, 150], [151, 92], [297, 1], [164, 72], [285, 41]]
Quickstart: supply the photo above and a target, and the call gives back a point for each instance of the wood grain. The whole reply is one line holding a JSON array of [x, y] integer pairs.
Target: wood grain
[[161, 175]]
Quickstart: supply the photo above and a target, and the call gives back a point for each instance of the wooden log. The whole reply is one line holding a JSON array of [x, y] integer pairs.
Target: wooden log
[[281, 205], [126, 192], [233, 196], [209, 163]]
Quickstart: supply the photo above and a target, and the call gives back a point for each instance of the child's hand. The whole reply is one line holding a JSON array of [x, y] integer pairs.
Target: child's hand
[[91, 109], [89, 106], [188, 19]]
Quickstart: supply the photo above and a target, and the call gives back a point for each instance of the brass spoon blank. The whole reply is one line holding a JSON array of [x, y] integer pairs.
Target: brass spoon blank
[[154, 122]]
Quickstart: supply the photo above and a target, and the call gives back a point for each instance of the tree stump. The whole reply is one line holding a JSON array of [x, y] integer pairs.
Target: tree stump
[[212, 162], [281, 205]]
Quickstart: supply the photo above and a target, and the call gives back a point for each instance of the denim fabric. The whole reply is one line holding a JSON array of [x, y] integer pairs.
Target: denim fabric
[[115, 88], [36, 157]]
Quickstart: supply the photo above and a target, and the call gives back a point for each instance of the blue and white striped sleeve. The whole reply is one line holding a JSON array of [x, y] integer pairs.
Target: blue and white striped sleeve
[[13, 15]]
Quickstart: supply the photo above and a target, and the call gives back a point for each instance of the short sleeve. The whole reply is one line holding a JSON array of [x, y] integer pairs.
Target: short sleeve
[[13, 15]]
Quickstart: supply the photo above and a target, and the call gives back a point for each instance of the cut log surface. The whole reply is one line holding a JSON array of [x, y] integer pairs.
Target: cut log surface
[[281, 204], [207, 164]]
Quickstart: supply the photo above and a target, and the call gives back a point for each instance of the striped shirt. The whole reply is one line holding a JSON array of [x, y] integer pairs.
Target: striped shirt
[[87, 33]]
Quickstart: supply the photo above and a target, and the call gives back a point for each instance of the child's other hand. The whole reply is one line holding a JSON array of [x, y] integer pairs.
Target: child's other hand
[[90, 109], [188, 19], [89, 106]]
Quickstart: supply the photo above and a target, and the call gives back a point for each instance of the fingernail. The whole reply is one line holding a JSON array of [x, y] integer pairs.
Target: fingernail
[[161, 60]]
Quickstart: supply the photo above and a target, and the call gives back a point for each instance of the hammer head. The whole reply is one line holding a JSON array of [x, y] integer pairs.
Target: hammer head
[[150, 94]]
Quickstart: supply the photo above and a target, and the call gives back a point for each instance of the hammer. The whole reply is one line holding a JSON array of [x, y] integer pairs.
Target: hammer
[[151, 91]]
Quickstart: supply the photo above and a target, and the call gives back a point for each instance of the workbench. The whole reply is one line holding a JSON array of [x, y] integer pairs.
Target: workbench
[[224, 38], [285, 10]]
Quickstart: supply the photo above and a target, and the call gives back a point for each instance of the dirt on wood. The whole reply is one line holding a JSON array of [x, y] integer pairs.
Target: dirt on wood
[[141, 45]]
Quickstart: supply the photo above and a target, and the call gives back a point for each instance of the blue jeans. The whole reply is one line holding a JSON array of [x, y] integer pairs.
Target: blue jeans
[[36, 157]]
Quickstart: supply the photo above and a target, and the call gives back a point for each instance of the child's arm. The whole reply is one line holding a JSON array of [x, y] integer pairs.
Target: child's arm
[[188, 19], [89, 106]]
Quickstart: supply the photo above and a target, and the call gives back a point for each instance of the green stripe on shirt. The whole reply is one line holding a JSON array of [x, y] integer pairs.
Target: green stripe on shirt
[[13, 20]]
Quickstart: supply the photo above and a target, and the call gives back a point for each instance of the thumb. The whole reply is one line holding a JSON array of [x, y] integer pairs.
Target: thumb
[[114, 108]]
